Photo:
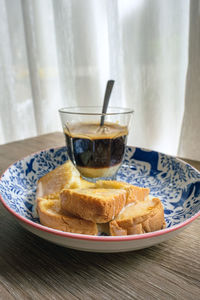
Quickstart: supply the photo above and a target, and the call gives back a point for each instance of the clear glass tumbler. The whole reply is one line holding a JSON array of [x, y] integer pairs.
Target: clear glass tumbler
[[96, 141]]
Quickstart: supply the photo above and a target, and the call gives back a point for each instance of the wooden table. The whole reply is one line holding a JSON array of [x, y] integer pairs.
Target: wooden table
[[32, 268]]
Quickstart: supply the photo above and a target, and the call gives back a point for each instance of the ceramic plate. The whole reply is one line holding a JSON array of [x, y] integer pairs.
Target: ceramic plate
[[176, 183]]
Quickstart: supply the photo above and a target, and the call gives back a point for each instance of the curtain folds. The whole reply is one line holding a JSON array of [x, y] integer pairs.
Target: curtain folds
[[61, 53], [189, 145]]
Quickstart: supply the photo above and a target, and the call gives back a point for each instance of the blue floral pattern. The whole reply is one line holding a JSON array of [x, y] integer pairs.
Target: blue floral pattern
[[177, 184]]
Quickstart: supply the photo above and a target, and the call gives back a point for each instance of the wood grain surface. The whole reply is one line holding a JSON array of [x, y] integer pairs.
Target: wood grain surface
[[32, 268]]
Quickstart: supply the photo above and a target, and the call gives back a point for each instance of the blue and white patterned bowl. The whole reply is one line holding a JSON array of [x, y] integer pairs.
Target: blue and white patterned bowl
[[176, 183]]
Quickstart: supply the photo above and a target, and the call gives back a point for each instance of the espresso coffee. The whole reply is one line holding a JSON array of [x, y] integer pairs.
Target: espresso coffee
[[97, 151]]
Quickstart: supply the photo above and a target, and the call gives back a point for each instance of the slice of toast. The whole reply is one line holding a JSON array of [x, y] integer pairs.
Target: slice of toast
[[139, 217], [134, 193], [51, 215], [97, 205], [64, 176]]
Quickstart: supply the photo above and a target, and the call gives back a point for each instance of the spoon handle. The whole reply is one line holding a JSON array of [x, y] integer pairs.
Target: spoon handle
[[109, 87]]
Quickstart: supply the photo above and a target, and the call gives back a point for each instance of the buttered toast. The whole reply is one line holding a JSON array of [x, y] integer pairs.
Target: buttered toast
[[102, 202], [64, 176], [67, 202], [133, 193], [139, 217], [51, 215], [96, 204]]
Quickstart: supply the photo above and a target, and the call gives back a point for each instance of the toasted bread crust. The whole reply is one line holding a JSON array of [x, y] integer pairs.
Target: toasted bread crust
[[148, 220], [97, 205], [134, 193], [64, 176], [50, 215], [55, 180]]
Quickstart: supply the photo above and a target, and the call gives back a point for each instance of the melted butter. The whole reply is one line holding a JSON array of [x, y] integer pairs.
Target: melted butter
[[137, 209], [100, 192], [52, 206]]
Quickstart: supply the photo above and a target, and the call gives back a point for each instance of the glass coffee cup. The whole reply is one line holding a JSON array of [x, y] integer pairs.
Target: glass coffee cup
[[96, 141]]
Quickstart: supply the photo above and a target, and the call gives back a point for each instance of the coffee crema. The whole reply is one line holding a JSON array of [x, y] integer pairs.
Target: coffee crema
[[96, 150]]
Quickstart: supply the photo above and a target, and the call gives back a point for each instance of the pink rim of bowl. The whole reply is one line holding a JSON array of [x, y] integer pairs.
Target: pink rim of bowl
[[92, 237]]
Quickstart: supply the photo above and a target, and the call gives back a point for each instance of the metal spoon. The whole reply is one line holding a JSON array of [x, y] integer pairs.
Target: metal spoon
[[108, 91]]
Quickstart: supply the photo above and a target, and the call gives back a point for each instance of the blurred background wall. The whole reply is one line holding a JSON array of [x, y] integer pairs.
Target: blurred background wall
[[56, 53]]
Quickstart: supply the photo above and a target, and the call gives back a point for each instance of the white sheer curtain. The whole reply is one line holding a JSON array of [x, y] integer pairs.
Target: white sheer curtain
[[56, 53]]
